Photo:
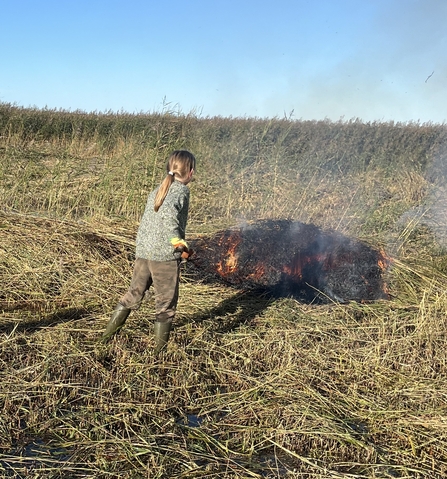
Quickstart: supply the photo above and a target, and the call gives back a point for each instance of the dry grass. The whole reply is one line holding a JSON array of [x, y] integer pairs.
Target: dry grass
[[249, 387]]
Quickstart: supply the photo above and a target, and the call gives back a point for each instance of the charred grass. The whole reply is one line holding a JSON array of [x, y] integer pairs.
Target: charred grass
[[250, 386]]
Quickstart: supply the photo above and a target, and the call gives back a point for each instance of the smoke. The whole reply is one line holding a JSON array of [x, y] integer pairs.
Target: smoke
[[386, 76], [432, 213], [428, 220]]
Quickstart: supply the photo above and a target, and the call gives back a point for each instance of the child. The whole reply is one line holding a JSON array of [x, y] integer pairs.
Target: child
[[160, 245]]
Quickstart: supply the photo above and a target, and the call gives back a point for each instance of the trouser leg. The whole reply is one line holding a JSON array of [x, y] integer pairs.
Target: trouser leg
[[141, 281], [165, 277]]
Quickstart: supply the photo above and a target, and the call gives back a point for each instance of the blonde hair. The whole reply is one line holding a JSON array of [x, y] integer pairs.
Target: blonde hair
[[179, 166]]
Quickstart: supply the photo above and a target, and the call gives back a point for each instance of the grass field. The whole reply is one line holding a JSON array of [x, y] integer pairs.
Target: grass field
[[250, 386]]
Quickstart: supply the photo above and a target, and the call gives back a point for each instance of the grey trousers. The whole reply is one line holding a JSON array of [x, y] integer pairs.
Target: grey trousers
[[164, 276]]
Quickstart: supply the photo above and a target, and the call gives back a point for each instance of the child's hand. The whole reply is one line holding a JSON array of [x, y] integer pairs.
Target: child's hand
[[179, 243], [182, 246]]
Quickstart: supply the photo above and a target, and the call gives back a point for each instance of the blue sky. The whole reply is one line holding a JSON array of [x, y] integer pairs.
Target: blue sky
[[376, 60]]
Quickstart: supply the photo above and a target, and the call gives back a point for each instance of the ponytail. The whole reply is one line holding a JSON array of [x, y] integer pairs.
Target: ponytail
[[163, 191], [179, 165]]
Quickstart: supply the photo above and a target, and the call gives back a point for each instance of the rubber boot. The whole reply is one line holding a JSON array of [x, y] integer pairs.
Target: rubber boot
[[162, 330], [116, 322]]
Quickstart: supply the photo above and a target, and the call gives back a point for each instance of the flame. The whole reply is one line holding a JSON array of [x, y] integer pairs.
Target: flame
[[384, 260], [295, 269], [259, 271], [229, 263]]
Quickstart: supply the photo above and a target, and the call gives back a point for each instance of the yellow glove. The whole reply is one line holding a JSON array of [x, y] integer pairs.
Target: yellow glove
[[181, 245]]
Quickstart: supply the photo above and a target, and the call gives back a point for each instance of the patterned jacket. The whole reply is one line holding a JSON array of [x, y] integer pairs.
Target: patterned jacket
[[158, 228]]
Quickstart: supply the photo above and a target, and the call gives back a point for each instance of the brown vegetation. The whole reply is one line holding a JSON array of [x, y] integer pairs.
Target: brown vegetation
[[251, 386]]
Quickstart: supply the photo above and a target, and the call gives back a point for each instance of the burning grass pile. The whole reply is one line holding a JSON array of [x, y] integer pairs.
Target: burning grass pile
[[290, 258], [251, 386]]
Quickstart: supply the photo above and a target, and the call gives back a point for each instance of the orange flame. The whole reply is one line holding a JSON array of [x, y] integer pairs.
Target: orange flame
[[384, 260], [295, 269], [229, 264], [259, 271]]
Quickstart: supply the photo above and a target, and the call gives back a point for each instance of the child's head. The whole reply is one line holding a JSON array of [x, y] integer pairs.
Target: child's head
[[180, 166]]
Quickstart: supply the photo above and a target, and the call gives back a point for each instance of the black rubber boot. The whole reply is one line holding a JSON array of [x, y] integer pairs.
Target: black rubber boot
[[116, 322], [162, 330]]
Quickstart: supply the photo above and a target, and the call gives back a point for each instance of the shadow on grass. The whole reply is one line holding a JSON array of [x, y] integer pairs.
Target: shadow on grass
[[239, 309], [246, 304], [65, 315]]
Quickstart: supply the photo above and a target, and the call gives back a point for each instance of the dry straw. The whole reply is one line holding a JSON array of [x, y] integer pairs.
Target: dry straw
[[250, 386]]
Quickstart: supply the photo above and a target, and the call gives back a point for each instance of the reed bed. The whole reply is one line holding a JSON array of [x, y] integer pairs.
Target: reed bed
[[250, 386]]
